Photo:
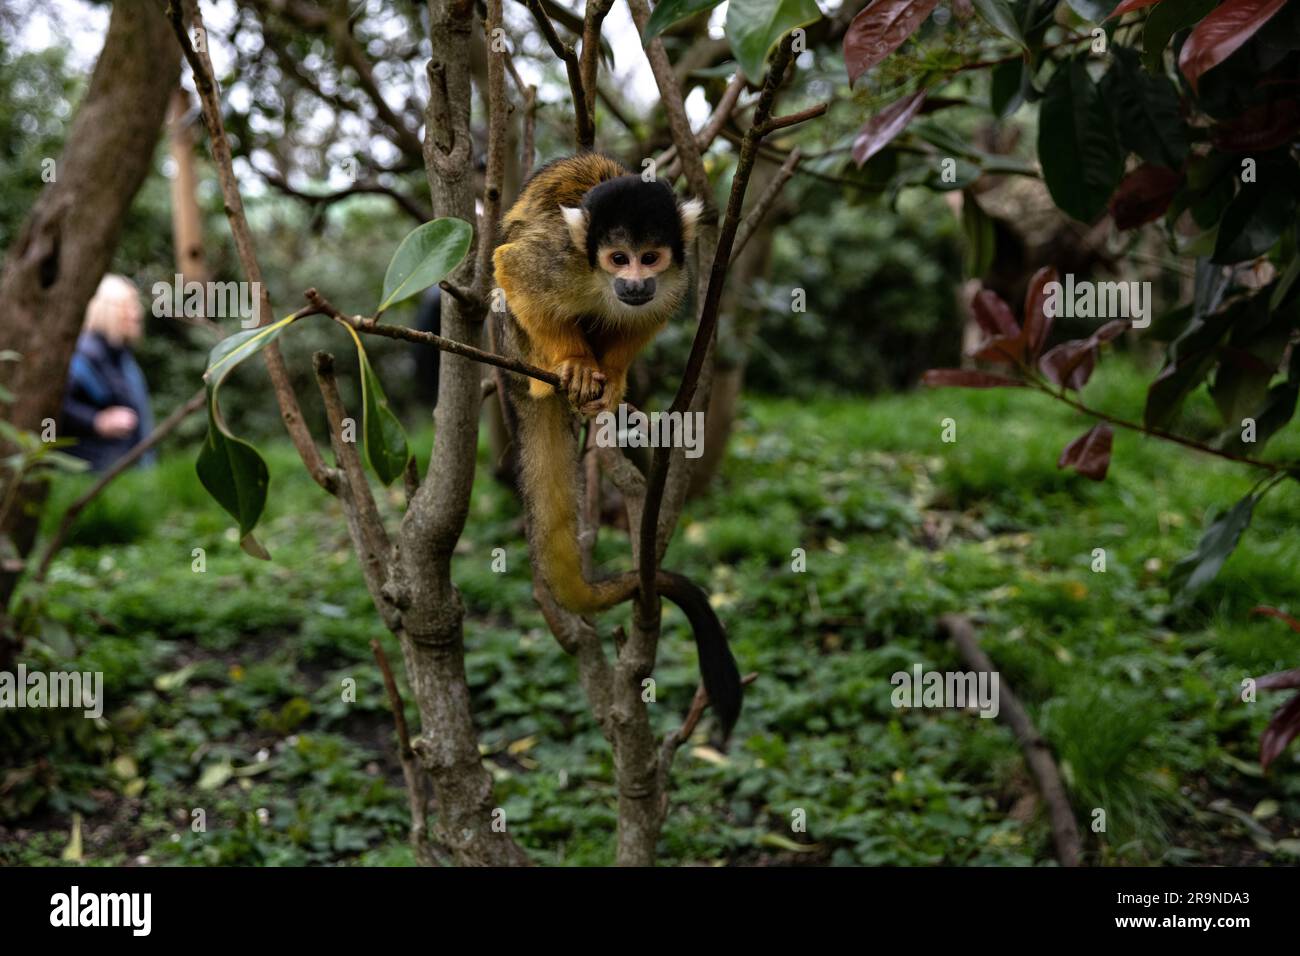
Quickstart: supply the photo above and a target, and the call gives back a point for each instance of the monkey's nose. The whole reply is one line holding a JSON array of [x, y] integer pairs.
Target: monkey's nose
[[634, 291]]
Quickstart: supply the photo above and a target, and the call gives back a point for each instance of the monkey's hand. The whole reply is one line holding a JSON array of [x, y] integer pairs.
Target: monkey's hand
[[582, 380]]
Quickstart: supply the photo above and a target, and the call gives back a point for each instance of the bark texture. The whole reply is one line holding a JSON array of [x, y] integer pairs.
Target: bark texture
[[68, 240]]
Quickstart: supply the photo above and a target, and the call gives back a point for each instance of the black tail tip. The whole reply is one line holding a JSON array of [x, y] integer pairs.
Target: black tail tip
[[726, 708]]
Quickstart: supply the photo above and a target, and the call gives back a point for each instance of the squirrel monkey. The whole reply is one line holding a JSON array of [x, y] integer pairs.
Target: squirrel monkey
[[593, 264]]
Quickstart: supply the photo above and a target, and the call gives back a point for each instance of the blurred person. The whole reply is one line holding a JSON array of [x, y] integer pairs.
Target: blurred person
[[106, 401]]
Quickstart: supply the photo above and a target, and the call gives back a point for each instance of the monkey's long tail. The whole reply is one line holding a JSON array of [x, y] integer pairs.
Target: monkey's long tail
[[548, 465]]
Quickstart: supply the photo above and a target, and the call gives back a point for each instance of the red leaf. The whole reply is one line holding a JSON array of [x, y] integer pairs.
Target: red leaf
[[1070, 364], [1001, 350], [1037, 322], [993, 315], [1128, 6], [1260, 128], [1111, 330], [884, 126], [880, 29], [1144, 195], [1073, 362], [967, 378], [1281, 730], [1089, 454], [1222, 33], [1264, 611]]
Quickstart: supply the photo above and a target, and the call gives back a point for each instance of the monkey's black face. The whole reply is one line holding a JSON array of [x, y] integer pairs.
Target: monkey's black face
[[634, 234]]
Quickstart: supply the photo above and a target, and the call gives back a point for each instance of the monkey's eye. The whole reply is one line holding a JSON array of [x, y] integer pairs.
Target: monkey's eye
[[649, 258], [619, 259]]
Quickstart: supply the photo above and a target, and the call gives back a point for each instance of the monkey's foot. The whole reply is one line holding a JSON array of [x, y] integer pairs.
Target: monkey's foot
[[607, 402], [582, 381]]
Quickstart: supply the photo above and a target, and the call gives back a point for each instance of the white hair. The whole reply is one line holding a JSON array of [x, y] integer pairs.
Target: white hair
[[108, 307]]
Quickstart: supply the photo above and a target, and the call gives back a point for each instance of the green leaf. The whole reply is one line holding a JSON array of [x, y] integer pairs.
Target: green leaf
[[1217, 543], [231, 470], [1094, 11], [668, 12], [233, 349], [1166, 19], [1006, 87], [1148, 117], [383, 438], [1077, 146], [998, 15], [980, 238], [754, 27], [425, 257], [1285, 283], [1257, 215], [1190, 358]]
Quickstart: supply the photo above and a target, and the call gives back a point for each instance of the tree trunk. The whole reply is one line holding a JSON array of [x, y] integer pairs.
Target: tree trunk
[[433, 616], [187, 218], [70, 235]]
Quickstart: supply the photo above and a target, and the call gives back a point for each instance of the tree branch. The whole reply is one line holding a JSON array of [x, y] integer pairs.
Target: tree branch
[[593, 19], [411, 207], [370, 326], [668, 162], [498, 111], [1065, 831], [417, 781], [290, 412], [658, 476], [1273, 467], [365, 524], [584, 129], [759, 210], [670, 96]]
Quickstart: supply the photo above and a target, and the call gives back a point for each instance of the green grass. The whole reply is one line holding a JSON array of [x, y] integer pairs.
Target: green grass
[[226, 687]]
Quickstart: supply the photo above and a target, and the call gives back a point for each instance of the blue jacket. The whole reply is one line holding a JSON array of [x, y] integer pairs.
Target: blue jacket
[[101, 376]]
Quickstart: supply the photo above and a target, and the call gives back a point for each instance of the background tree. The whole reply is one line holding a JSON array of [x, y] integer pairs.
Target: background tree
[[55, 263]]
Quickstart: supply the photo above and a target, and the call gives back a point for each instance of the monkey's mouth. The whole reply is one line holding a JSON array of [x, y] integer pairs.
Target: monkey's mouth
[[641, 299]]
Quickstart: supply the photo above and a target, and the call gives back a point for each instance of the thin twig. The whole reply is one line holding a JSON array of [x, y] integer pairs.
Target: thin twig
[[361, 511], [412, 772], [670, 96], [764, 203], [592, 21], [290, 412], [584, 131], [781, 122], [408, 205], [674, 739], [468, 300], [658, 476], [1274, 467], [494, 175], [369, 326], [667, 162]]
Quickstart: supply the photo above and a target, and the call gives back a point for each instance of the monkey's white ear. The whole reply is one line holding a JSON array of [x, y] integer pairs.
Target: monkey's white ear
[[575, 217], [690, 213]]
